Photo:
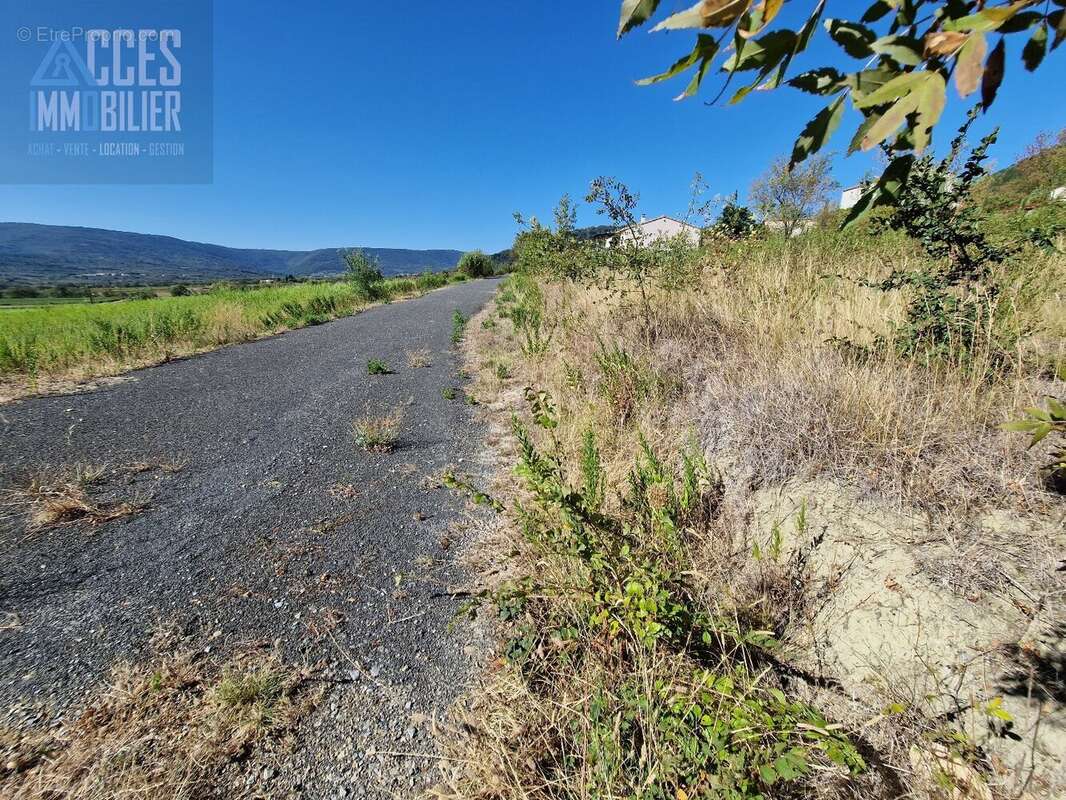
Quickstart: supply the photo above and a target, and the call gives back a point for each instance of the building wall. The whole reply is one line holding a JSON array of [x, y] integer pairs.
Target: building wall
[[850, 197], [662, 228]]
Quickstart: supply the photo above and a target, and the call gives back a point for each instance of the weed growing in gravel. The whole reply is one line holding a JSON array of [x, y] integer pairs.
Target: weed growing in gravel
[[166, 728], [448, 393], [61, 498], [458, 326], [376, 366], [378, 433], [419, 359]]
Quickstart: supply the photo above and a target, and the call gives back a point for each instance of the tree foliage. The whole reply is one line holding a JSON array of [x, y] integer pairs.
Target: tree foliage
[[909, 51], [476, 264], [364, 274], [735, 222], [790, 196]]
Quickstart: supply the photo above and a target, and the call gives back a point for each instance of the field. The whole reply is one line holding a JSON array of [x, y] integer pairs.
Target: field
[[49, 346]]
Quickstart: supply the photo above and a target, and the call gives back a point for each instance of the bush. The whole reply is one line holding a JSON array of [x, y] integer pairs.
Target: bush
[[476, 265], [364, 274]]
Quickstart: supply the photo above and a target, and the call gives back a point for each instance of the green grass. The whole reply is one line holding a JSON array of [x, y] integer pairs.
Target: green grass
[[100, 337]]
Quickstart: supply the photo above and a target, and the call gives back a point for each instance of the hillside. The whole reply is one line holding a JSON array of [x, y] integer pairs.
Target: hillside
[[31, 254], [1027, 184]]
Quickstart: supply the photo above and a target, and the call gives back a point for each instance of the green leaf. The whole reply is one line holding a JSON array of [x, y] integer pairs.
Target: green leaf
[[825, 80], [703, 53], [885, 190], [866, 81], [1019, 426], [768, 774], [890, 91], [634, 13], [860, 134], [889, 122], [853, 37], [818, 131], [1058, 21], [988, 19], [905, 50], [1021, 22], [876, 11], [995, 66], [1035, 48], [1040, 431], [766, 51]]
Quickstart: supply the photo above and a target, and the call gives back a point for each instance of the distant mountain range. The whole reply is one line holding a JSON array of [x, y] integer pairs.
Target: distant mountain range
[[50, 254]]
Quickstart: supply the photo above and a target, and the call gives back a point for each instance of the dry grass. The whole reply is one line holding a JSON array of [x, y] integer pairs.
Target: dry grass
[[167, 728], [379, 433], [419, 359], [67, 496], [740, 364]]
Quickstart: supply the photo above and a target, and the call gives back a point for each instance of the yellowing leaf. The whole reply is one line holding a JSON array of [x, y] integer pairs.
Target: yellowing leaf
[[944, 43], [634, 13], [681, 794], [762, 16], [969, 66], [706, 14]]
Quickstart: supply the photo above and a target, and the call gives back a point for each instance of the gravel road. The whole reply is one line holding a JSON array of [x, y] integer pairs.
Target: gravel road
[[275, 522]]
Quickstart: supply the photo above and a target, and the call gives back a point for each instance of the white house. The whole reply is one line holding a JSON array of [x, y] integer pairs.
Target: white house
[[849, 197], [648, 231]]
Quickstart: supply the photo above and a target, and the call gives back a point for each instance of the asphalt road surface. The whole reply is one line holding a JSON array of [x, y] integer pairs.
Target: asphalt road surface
[[275, 522]]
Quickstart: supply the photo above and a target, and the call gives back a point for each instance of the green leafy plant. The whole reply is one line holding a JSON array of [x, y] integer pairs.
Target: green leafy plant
[[376, 366], [1040, 423], [677, 710], [951, 302], [448, 393], [458, 326]]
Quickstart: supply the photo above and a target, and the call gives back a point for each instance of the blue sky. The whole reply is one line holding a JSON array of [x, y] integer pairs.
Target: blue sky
[[427, 124]]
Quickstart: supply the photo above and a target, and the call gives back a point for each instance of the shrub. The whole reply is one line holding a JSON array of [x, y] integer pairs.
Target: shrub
[[735, 222], [364, 274], [376, 366], [476, 265]]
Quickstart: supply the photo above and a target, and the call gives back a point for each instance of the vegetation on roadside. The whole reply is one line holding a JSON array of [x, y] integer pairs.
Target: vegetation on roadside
[[656, 625], [79, 341], [172, 726]]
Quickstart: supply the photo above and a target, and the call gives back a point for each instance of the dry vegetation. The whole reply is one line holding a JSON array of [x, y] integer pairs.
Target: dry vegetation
[[92, 494], [379, 433], [833, 475], [169, 727]]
